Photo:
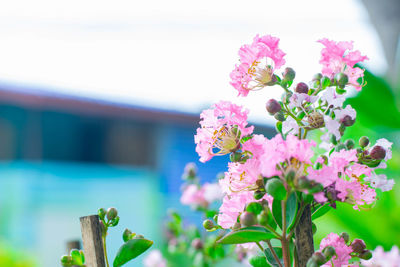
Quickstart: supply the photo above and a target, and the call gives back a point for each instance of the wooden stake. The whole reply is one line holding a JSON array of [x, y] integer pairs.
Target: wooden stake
[[304, 238], [73, 244], [92, 242]]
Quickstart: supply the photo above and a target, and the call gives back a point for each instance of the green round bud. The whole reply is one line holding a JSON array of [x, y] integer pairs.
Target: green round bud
[[290, 177], [276, 188], [345, 237], [365, 255], [112, 213], [303, 183], [126, 235], [364, 141], [349, 143], [319, 258], [341, 79], [317, 77], [340, 147], [333, 139], [289, 74], [115, 221], [102, 213], [329, 251], [263, 218], [258, 194], [358, 246], [273, 106], [325, 81], [235, 156], [248, 219], [66, 259], [279, 116], [208, 224], [378, 153]]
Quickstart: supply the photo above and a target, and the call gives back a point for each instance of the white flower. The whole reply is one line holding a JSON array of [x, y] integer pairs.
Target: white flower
[[333, 98], [212, 192], [290, 126], [383, 259], [296, 100], [332, 126], [387, 146], [154, 259], [347, 111], [380, 181]]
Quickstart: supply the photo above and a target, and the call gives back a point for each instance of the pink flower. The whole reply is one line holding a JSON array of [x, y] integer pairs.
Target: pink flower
[[193, 196], [221, 129], [339, 57], [326, 176], [339, 160], [347, 111], [383, 259], [257, 64], [343, 251], [154, 259], [212, 192], [278, 150], [354, 192], [298, 99], [380, 181]]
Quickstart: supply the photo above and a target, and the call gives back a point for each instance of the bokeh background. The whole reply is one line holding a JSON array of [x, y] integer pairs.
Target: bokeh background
[[99, 102]]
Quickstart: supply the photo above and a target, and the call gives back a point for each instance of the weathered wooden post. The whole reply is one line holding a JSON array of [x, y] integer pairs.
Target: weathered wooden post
[[92, 241], [304, 238], [73, 244]]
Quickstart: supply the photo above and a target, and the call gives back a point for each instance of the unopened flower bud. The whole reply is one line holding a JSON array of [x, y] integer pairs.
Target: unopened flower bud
[[325, 82], [289, 74], [319, 258], [235, 156], [115, 221], [349, 144], [311, 263], [112, 213], [248, 219], [65, 260], [236, 226], [316, 120], [347, 121], [197, 244], [190, 171], [340, 147], [303, 183], [365, 255], [273, 106], [102, 213], [290, 177], [358, 245], [208, 224], [126, 235], [341, 79], [316, 188], [301, 88], [258, 194], [263, 218], [378, 153], [276, 189], [279, 116], [317, 77], [345, 237], [329, 251], [364, 141]]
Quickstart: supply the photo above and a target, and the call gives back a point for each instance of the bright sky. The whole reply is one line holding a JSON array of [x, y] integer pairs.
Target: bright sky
[[174, 54]]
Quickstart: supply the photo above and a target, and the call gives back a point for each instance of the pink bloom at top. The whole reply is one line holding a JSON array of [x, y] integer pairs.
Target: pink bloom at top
[[278, 150], [258, 61], [339, 57], [339, 160], [326, 176], [354, 192], [221, 129], [255, 145], [383, 259], [343, 251]]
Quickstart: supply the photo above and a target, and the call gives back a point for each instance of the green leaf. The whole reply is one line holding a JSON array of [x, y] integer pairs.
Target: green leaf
[[77, 257], [270, 257], [291, 210], [130, 250], [320, 211], [279, 127], [247, 235], [259, 261]]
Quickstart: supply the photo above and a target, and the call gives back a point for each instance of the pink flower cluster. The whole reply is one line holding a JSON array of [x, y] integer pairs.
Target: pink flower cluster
[[343, 251], [255, 71], [221, 129], [338, 57]]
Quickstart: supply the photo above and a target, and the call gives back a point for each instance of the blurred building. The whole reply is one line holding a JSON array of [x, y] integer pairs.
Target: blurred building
[[63, 157]]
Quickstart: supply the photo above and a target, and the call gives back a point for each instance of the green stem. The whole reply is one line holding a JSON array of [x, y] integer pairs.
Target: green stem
[[287, 110], [285, 247], [105, 251], [273, 253]]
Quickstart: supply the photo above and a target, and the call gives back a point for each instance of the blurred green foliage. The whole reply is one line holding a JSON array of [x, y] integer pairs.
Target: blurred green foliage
[[12, 258], [378, 117]]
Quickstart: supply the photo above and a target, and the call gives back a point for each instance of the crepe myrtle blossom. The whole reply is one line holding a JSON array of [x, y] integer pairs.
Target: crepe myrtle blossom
[[337, 57], [343, 251], [298, 99], [222, 128], [258, 61], [154, 259], [380, 258], [200, 196]]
